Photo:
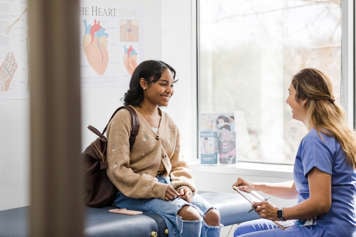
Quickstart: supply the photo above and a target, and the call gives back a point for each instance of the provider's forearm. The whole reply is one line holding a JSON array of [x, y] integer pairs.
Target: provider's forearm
[[282, 190]]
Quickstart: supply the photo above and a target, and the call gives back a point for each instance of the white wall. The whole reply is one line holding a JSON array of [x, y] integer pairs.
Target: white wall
[[14, 153], [179, 50]]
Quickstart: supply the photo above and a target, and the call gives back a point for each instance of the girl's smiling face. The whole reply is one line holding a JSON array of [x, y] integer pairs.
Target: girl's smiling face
[[160, 92]]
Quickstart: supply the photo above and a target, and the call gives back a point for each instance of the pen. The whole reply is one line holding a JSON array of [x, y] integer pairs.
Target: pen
[[252, 209]]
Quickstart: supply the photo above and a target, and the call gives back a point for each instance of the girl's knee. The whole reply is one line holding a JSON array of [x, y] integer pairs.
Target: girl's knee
[[212, 217], [189, 213]]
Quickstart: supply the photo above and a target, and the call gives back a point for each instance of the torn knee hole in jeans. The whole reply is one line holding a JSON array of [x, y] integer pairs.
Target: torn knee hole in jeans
[[212, 217], [190, 213]]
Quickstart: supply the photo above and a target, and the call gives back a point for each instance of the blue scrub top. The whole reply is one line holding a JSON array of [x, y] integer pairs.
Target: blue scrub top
[[323, 152]]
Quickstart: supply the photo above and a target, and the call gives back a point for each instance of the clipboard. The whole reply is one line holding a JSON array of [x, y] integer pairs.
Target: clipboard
[[251, 197]]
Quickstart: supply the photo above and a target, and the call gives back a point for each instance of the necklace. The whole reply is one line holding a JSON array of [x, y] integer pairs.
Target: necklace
[[153, 120]]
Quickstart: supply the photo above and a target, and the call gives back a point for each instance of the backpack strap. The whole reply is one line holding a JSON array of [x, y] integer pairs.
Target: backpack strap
[[135, 125], [96, 131]]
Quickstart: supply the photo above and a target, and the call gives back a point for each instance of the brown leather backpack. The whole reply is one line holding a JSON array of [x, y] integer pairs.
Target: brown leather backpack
[[99, 191]]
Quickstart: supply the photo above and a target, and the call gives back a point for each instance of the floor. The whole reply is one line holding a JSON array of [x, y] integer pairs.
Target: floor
[[228, 231]]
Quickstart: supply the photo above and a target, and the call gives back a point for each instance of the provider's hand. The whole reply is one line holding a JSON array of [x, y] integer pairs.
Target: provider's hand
[[185, 193], [171, 193], [266, 210], [243, 185]]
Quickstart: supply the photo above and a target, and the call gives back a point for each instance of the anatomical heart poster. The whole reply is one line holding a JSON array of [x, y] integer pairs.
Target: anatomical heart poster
[[111, 42]]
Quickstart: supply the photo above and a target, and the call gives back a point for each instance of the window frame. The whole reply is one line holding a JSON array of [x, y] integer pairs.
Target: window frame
[[348, 60], [348, 71]]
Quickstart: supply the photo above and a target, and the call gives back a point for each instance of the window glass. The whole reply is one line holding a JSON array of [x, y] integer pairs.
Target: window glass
[[248, 52]]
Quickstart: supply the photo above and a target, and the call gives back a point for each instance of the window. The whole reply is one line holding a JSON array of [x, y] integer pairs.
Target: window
[[248, 52]]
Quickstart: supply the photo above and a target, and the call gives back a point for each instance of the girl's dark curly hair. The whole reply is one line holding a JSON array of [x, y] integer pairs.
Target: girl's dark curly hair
[[150, 71]]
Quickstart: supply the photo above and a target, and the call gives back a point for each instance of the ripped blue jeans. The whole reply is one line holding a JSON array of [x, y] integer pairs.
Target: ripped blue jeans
[[169, 211]]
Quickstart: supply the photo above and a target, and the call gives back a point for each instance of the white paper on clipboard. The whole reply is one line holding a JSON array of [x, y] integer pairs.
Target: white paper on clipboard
[[254, 196], [251, 197]]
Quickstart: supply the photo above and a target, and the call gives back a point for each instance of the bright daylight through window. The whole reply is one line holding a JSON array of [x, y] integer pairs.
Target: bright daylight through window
[[248, 52]]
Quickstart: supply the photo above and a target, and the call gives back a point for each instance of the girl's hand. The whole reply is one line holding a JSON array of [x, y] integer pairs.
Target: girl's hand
[[185, 193], [171, 193], [266, 210]]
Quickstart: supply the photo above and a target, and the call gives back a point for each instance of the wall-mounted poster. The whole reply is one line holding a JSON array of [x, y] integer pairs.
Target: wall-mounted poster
[[217, 138], [13, 50], [112, 35], [111, 42]]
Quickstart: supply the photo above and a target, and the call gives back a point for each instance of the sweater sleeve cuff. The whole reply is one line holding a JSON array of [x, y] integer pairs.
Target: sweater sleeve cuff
[[178, 184], [159, 190]]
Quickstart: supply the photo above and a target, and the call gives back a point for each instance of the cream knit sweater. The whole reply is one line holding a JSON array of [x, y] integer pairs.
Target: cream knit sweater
[[133, 173]]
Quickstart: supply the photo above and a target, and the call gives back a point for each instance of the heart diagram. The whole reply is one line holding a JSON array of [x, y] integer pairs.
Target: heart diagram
[[95, 42]]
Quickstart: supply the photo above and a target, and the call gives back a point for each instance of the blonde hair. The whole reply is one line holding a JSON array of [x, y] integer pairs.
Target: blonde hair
[[322, 113]]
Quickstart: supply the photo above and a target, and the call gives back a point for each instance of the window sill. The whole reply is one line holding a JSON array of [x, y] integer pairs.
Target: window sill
[[246, 168]]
